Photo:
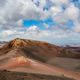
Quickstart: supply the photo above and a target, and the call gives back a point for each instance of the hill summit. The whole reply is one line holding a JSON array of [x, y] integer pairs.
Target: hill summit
[[38, 50], [17, 43]]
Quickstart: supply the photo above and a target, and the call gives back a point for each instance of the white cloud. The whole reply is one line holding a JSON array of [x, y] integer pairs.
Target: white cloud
[[72, 12], [6, 33], [20, 22], [13, 12], [56, 37], [55, 10], [60, 2], [77, 27], [42, 3], [32, 28]]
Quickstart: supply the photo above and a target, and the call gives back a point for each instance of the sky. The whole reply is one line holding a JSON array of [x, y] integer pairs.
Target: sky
[[53, 21]]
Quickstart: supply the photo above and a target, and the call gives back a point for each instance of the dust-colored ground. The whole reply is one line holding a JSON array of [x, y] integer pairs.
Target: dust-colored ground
[[66, 63], [22, 64], [26, 56], [7, 75]]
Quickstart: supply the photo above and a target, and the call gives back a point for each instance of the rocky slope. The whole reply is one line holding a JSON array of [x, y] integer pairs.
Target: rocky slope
[[21, 55], [38, 50], [34, 49]]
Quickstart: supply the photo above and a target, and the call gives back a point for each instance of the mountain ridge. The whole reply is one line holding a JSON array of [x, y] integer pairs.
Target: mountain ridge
[[21, 55], [31, 48]]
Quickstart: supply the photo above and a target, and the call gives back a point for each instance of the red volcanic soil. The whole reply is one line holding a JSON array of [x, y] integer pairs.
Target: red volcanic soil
[[28, 56], [38, 50], [22, 64]]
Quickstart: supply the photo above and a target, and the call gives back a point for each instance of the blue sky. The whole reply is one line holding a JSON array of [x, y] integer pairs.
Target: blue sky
[[39, 23], [54, 21], [49, 21]]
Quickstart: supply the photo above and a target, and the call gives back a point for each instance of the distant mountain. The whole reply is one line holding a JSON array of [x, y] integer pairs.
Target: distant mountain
[[73, 48], [73, 45], [2, 43]]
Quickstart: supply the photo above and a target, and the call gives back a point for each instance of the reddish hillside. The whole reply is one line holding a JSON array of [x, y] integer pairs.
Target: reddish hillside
[[27, 65], [33, 49], [22, 55]]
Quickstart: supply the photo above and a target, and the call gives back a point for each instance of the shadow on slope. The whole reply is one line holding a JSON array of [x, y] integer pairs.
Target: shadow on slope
[[6, 75]]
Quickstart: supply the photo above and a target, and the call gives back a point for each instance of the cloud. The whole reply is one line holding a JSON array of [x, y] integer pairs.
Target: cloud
[[55, 10], [72, 12], [77, 27], [33, 28], [14, 12], [59, 37], [19, 22], [61, 2], [2, 2]]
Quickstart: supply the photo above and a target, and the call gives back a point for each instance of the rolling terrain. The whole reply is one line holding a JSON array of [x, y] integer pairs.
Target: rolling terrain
[[41, 51], [28, 56], [66, 63], [7, 75]]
